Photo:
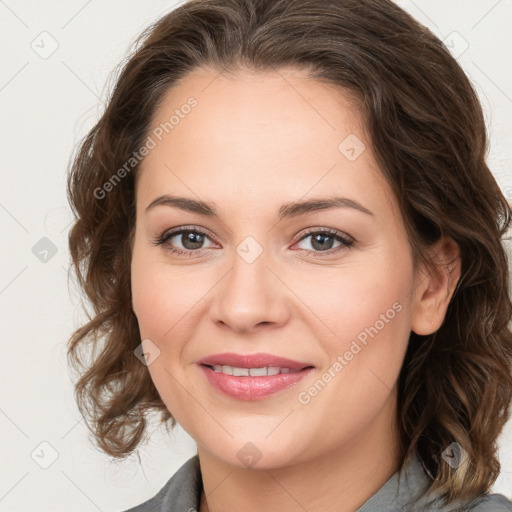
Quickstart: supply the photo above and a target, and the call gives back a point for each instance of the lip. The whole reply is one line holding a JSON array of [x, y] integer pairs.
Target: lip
[[252, 388], [258, 360]]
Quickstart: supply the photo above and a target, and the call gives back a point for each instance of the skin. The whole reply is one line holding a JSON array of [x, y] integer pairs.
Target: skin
[[253, 143]]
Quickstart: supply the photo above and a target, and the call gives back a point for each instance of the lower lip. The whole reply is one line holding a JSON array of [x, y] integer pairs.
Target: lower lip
[[252, 388]]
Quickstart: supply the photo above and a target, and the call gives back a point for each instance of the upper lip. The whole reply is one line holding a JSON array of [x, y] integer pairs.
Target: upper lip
[[259, 360]]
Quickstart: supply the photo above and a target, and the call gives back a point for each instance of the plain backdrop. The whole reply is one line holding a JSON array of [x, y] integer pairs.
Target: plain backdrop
[[55, 60]]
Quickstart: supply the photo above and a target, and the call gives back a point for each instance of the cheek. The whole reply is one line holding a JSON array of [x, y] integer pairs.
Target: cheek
[[371, 308], [351, 300], [368, 311], [381, 341], [161, 301], [365, 313], [161, 295], [151, 303], [168, 302]]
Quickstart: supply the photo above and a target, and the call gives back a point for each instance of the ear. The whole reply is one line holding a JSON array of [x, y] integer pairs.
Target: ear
[[434, 288]]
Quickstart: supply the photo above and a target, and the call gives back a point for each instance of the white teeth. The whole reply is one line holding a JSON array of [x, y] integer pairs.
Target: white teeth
[[252, 372], [228, 370], [258, 372]]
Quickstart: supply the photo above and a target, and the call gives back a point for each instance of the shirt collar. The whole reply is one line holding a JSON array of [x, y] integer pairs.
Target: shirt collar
[[403, 486]]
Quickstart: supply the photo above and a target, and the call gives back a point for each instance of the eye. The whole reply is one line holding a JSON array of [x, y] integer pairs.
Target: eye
[[191, 240], [323, 240]]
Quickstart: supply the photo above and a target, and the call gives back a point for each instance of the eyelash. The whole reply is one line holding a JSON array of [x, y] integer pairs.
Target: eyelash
[[346, 243]]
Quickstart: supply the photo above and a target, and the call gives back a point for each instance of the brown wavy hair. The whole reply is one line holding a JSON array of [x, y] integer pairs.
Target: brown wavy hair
[[427, 129]]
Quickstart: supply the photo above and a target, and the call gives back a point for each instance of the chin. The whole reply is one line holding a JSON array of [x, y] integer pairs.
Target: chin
[[260, 453]]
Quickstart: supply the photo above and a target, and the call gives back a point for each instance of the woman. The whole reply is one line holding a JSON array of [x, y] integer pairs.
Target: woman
[[292, 244]]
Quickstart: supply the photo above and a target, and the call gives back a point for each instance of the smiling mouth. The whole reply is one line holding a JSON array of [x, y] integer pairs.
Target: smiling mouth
[[255, 383], [253, 372]]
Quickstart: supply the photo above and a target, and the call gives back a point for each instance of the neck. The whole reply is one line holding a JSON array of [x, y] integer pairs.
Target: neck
[[339, 480]]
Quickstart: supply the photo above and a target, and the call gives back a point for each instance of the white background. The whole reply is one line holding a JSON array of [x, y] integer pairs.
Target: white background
[[47, 105]]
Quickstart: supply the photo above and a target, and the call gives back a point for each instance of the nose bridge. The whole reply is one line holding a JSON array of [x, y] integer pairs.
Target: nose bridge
[[250, 294]]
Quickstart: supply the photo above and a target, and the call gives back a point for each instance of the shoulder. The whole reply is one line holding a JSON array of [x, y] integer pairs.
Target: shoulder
[[418, 474], [483, 503], [181, 492], [408, 491], [492, 503]]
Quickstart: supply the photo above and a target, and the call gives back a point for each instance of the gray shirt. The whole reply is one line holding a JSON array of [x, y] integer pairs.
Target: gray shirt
[[182, 493]]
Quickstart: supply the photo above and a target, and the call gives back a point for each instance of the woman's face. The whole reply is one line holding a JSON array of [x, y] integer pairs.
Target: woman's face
[[262, 276]]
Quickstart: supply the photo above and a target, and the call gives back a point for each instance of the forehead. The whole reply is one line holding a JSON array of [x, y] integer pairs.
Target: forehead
[[262, 102], [266, 134]]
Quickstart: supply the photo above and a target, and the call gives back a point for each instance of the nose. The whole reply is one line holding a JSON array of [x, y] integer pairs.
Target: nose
[[251, 296]]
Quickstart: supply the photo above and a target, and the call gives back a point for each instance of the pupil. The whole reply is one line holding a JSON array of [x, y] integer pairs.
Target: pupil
[[192, 240], [322, 239]]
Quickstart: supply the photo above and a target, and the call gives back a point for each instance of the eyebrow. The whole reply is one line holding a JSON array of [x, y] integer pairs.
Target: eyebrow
[[286, 211]]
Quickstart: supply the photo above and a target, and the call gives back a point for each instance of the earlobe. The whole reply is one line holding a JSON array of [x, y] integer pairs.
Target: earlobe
[[434, 287]]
